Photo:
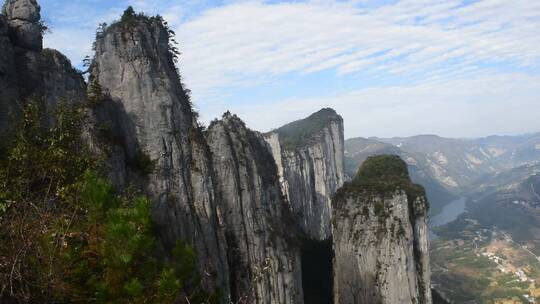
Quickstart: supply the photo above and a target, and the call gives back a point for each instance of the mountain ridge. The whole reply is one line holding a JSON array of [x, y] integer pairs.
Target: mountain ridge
[[459, 163], [237, 207]]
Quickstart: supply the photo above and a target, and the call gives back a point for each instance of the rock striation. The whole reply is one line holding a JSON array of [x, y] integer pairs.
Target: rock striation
[[380, 237], [309, 154], [146, 127], [263, 255]]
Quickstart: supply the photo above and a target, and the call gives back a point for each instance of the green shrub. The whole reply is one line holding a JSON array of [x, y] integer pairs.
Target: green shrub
[[41, 163], [142, 163], [383, 176], [66, 235], [116, 262], [383, 168]]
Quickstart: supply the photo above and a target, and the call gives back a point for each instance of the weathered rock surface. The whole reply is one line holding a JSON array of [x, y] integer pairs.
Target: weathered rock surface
[[380, 237], [28, 71], [24, 19], [264, 260], [49, 76], [153, 141], [309, 154], [8, 83]]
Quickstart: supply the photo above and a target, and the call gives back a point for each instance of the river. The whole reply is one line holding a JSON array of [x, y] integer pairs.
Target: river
[[449, 213]]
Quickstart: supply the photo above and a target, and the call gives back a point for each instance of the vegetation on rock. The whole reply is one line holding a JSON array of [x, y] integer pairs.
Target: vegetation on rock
[[384, 175], [67, 236], [383, 168], [303, 132], [131, 19]]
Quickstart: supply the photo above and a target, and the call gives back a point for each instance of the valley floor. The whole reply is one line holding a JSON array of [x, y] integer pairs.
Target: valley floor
[[471, 264]]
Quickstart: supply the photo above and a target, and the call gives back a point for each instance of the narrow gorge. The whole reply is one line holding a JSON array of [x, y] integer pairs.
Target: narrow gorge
[[271, 216]]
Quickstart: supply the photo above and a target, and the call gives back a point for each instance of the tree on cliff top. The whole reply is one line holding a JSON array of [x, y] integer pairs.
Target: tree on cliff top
[[383, 175]]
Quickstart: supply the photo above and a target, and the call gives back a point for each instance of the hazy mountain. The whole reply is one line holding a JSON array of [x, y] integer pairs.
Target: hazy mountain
[[459, 164], [357, 150], [514, 209], [507, 179], [448, 167]]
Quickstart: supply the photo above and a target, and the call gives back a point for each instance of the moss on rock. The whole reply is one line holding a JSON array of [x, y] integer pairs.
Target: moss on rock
[[382, 168], [382, 175]]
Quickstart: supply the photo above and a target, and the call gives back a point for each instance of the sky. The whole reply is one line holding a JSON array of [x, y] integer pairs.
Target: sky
[[455, 68]]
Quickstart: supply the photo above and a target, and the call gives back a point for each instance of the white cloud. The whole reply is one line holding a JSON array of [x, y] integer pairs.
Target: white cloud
[[74, 43], [232, 44], [477, 106], [74, 27], [462, 69]]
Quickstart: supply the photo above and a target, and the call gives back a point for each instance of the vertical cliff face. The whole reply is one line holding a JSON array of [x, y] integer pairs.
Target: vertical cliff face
[[309, 156], [264, 262], [8, 85], [235, 195], [26, 69], [145, 125], [58, 80], [380, 237]]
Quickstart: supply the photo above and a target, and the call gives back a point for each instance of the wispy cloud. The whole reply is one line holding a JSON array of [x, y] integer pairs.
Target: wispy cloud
[[477, 106], [462, 65], [74, 25], [232, 44]]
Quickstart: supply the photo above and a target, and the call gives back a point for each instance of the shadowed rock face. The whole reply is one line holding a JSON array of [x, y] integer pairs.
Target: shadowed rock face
[[309, 156], [380, 237], [24, 18], [8, 83], [26, 69], [264, 260], [154, 139]]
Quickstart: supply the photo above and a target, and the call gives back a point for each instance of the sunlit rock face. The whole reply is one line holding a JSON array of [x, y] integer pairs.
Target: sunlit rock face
[[152, 138], [309, 154], [380, 237], [240, 198], [263, 253]]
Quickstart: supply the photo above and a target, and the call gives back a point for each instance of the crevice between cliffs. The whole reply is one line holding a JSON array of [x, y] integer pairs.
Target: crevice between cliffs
[[317, 271]]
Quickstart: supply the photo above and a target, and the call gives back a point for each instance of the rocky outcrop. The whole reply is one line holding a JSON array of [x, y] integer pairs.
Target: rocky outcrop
[[144, 119], [8, 83], [264, 259], [24, 19], [380, 237], [309, 156], [59, 80], [28, 71]]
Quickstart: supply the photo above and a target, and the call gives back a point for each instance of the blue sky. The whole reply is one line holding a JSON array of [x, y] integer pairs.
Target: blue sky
[[460, 68]]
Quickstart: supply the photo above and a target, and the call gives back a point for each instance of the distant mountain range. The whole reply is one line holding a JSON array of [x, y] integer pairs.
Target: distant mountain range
[[514, 208], [448, 167]]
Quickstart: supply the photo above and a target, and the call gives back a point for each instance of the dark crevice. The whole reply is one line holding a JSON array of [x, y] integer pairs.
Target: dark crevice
[[317, 272], [235, 263]]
